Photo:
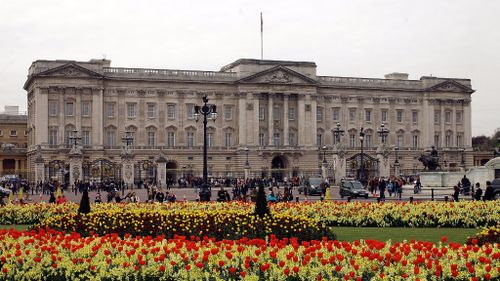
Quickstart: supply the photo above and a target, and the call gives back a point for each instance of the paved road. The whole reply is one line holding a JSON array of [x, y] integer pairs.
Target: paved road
[[190, 194]]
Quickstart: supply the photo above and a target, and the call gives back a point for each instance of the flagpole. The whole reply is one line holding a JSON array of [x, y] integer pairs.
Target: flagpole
[[261, 37]]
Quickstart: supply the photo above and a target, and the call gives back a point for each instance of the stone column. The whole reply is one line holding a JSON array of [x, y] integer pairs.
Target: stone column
[[313, 123], [285, 119], [301, 117], [270, 124], [324, 170], [97, 117], [242, 119], [75, 168], [161, 171], [442, 134], [39, 170], [383, 160], [256, 121], [128, 170], [339, 164], [466, 117]]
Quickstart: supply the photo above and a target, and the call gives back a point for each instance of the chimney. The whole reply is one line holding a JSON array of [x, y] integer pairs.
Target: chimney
[[396, 76]]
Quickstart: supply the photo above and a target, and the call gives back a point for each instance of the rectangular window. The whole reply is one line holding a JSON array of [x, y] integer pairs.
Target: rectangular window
[[336, 114], [13, 133], [447, 141], [110, 109], [400, 141], [190, 139], [459, 117], [151, 139], [399, 116], [291, 139], [69, 109], [85, 138], [276, 139], [414, 117], [52, 136], [85, 108], [170, 139], [352, 114], [276, 113], [262, 113], [52, 108], [110, 138], [262, 139], [319, 114], [319, 139], [415, 141], [384, 116], [436, 140], [210, 139], [368, 115], [460, 140], [171, 111], [437, 117], [368, 141], [151, 110], [131, 110], [447, 117], [228, 112], [229, 137], [190, 110], [291, 113], [352, 140]]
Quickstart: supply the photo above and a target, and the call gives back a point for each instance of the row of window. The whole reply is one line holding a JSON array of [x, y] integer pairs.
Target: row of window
[[13, 133], [229, 111], [85, 135]]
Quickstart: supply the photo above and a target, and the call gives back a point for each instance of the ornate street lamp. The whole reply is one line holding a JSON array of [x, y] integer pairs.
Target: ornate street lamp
[[362, 162], [208, 111], [337, 133], [74, 139], [127, 139], [383, 132], [397, 158], [324, 155]]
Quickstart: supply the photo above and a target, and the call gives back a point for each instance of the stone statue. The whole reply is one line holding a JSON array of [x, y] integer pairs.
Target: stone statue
[[430, 161]]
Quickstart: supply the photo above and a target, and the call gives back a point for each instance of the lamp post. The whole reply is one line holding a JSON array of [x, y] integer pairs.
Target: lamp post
[[383, 132], [74, 138], [127, 140], [462, 161], [208, 111], [337, 133], [247, 165], [362, 162], [396, 162]]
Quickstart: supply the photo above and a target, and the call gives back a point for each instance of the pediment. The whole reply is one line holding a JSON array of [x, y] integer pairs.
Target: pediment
[[278, 75], [450, 86], [70, 70]]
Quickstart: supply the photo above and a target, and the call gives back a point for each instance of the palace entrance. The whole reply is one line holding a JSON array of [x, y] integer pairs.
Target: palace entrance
[[353, 166], [171, 172], [278, 168]]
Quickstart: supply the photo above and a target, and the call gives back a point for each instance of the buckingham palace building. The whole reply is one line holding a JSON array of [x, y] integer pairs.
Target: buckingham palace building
[[91, 121]]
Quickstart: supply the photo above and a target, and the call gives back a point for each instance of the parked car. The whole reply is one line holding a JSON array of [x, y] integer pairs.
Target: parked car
[[352, 188], [311, 186]]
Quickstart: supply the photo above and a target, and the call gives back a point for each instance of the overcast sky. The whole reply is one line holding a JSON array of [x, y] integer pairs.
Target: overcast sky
[[345, 38]]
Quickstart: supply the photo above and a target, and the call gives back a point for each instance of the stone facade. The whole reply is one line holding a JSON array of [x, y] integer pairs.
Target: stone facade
[[13, 143], [282, 111]]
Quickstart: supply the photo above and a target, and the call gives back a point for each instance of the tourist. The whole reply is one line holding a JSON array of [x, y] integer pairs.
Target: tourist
[[98, 198], [488, 192], [52, 198], [456, 193], [271, 198], [479, 192]]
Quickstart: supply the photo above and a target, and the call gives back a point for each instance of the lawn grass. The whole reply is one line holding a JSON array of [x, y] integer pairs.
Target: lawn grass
[[457, 235], [15, 226]]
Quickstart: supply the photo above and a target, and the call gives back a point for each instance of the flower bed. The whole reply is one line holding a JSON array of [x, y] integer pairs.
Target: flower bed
[[488, 235], [52, 255], [218, 224], [423, 214]]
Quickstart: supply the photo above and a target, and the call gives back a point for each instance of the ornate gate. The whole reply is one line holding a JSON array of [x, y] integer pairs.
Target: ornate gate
[[353, 165], [102, 170]]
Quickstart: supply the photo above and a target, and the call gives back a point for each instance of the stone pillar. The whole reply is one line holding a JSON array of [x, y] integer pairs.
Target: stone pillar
[[301, 117], [383, 160], [285, 120], [242, 119], [324, 171], [256, 120], [339, 164], [128, 170], [39, 170], [466, 120], [247, 172], [396, 169], [270, 124], [75, 169], [161, 172], [441, 122]]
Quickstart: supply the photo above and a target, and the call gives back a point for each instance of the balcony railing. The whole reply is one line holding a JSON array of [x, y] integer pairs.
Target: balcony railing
[[168, 73]]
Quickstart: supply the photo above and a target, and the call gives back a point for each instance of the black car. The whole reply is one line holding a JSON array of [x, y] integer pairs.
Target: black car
[[312, 186], [352, 188], [496, 188]]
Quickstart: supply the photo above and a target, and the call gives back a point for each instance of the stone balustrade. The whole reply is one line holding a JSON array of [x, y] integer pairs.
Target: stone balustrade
[[369, 82], [168, 73]]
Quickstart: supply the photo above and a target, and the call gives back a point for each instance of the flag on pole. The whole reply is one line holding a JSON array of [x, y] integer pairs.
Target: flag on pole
[[261, 37], [261, 23]]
